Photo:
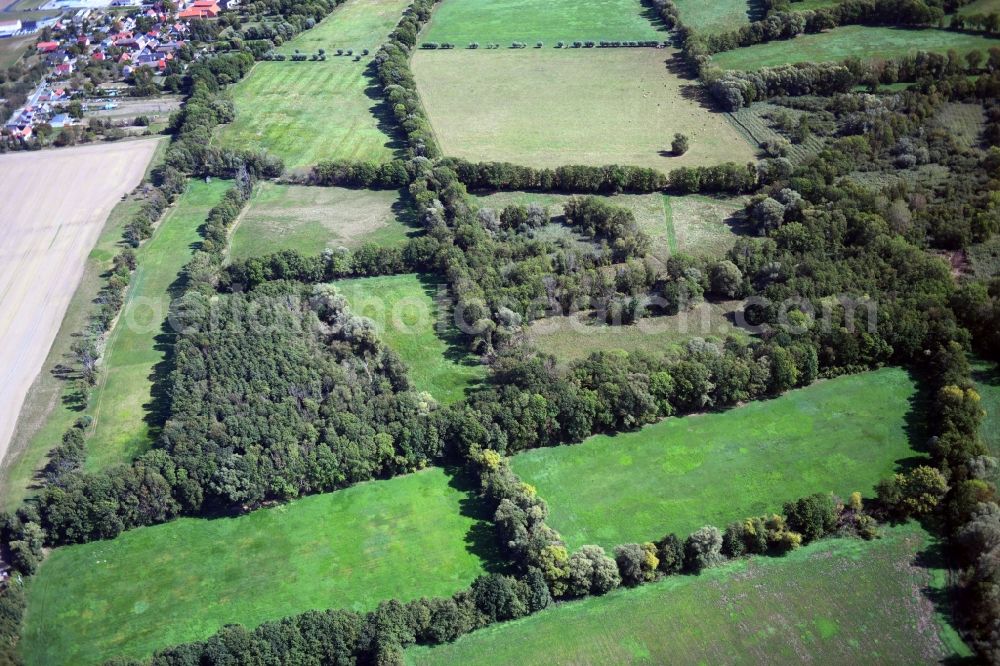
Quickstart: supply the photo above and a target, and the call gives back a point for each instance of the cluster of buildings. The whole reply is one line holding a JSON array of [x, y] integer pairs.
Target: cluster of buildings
[[121, 42], [90, 35]]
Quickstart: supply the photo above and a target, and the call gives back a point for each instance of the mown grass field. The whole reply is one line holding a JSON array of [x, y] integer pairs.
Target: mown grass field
[[838, 601], [50, 406], [357, 24], [311, 219], [123, 397], [307, 112], [573, 337], [714, 17], [406, 315], [463, 21], [158, 586], [541, 108], [679, 474], [853, 41]]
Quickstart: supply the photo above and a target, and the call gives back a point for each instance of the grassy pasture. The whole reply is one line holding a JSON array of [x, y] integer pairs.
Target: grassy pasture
[[696, 225], [986, 375], [964, 121], [985, 258], [157, 586], [802, 5], [311, 219], [839, 435], [137, 344], [307, 112], [541, 108], [853, 41], [838, 601], [357, 24], [12, 48], [702, 226], [980, 7], [577, 336], [464, 21], [716, 16], [406, 315]]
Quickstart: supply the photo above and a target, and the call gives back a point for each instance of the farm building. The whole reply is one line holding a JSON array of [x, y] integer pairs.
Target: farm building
[[9, 28]]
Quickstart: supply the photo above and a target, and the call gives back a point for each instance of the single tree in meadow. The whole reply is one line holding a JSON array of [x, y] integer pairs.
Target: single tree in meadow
[[679, 145]]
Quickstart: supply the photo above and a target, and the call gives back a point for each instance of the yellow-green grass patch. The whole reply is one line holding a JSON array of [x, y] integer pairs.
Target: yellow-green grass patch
[[696, 225], [356, 24], [677, 475], [307, 112], [965, 122], [980, 7], [852, 41], [411, 321], [985, 258], [123, 405], [715, 16], [838, 601], [986, 376], [157, 586], [542, 108], [573, 337], [703, 226], [464, 21], [311, 219]]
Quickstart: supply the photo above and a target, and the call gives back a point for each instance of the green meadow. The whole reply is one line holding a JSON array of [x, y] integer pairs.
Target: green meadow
[[356, 24], [307, 112], [408, 319], [157, 586], [838, 601], [311, 219], [540, 108], [677, 475], [714, 17], [577, 336], [980, 7], [463, 21], [138, 345], [986, 376], [697, 225], [853, 41]]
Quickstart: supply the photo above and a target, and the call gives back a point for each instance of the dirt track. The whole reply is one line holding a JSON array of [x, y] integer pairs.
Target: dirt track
[[53, 204]]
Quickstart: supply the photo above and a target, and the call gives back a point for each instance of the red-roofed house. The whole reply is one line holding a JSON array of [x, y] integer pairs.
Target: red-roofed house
[[201, 9], [64, 69], [47, 47]]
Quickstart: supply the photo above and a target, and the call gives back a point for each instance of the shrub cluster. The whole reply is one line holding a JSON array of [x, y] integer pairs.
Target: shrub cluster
[[369, 175]]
